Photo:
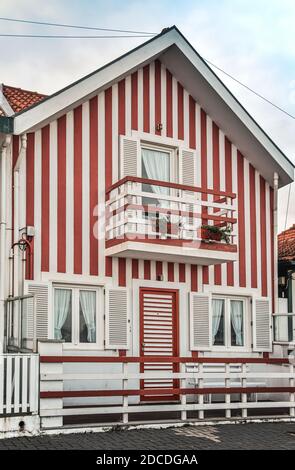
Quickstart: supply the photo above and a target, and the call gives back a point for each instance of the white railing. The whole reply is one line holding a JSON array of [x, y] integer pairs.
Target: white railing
[[254, 386], [20, 322], [19, 384], [148, 208], [284, 328]]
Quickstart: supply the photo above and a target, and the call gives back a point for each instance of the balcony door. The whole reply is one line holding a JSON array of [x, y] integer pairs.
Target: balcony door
[[158, 338]]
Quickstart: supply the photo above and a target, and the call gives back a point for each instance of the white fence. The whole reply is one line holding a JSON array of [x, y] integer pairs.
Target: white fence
[[19, 384]]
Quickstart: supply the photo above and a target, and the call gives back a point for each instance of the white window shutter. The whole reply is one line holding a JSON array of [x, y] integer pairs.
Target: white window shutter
[[200, 322], [262, 324], [117, 318], [40, 293], [187, 167], [129, 157]]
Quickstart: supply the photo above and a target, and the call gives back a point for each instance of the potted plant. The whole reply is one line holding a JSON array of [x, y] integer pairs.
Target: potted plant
[[216, 233]]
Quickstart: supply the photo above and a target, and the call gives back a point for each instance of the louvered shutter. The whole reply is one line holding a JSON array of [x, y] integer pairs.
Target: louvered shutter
[[200, 322], [187, 167], [262, 326], [129, 157], [40, 293], [116, 318]]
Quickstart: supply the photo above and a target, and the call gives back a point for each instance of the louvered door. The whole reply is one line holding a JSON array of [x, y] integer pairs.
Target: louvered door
[[158, 337]]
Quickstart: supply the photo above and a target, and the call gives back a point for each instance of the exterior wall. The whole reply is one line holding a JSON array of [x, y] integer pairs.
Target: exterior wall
[[70, 162]]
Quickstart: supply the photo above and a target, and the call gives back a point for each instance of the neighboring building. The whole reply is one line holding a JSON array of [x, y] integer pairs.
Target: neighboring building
[[13, 100], [157, 140]]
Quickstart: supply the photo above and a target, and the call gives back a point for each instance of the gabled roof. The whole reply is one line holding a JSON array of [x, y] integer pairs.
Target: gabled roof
[[286, 245], [196, 76], [14, 100]]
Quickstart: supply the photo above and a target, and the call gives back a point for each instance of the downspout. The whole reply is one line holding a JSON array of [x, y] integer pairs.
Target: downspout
[[3, 224], [275, 234]]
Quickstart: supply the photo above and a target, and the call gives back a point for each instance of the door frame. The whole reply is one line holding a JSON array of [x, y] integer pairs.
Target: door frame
[[175, 339]]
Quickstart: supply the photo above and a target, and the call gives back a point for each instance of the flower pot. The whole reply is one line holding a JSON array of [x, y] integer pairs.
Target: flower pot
[[207, 234]]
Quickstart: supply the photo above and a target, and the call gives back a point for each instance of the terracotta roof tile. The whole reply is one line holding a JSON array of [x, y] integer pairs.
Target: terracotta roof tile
[[286, 244], [20, 99]]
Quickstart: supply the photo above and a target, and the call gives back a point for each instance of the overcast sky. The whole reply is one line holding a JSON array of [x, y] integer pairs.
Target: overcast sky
[[252, 40]]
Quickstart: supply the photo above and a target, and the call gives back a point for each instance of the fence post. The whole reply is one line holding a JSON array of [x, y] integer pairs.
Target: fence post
[[200, 397], [125, 387], [50, 348], [292, 394], [227, 396], [183, 395], [244, 384]]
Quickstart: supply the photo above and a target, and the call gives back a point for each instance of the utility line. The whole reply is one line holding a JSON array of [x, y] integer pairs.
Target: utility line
[[75, 26], [49, 36]]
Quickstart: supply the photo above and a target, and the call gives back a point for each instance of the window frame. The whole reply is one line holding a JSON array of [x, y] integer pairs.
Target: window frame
[[227, 324], [75, 289], [172, 151]]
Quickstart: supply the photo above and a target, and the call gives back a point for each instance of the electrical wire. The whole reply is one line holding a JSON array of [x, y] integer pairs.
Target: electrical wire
[[49, 36]]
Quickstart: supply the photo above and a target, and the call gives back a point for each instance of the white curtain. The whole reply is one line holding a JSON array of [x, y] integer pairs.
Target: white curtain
[[88, 307], [236, 308], [62, 298], [216, 317], [156, 166]]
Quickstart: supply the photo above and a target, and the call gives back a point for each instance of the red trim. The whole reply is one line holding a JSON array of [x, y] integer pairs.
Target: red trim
[[135, 269], [30, 195], [204, 179], [170, 272], [146, 98], [180, 111], [159, 268], [192, 123], [93, 183], [45, 198], [271, 195], [121, 107], [147, 269], [181, 269], [78, 190], [15, 153], [134, 101], [109, 266], [194, 278], [241, 221], [122, 272], [158, 117], [263, 238], [229, 188], [164, 359], [61, 193], [216, 185], [108, 158], [253, 226], [169, 121]]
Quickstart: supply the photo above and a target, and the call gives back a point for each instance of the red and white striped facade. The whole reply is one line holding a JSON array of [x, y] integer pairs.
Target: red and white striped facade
[[70, 163]]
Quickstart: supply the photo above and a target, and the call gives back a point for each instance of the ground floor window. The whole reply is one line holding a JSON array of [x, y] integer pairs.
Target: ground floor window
[[76, 314], [228, 321]]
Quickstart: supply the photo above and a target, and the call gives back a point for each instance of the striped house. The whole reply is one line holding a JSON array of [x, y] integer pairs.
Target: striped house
[[139, 213]]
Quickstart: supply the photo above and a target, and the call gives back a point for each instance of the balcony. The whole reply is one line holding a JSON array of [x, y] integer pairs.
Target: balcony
[[158, 220]]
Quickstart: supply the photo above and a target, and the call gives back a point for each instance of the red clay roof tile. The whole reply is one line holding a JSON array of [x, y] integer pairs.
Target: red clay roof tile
[[20, 99], [286, 244]]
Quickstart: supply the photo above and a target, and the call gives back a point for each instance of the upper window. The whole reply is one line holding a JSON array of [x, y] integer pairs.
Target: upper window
[[228, 322], [76, 315]]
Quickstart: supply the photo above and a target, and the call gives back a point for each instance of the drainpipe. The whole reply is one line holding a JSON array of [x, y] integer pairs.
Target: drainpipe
[[275, 234], [3, 224]]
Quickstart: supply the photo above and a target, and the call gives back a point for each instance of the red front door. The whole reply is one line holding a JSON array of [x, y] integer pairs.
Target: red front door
[[158, 337]]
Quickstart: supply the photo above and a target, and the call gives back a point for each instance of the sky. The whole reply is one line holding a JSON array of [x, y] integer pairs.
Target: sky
[[252, 40]]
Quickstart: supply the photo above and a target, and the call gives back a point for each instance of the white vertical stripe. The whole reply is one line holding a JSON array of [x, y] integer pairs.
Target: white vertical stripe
[[152, 97], [128, 272], [85, 189], [268, 241], [186, 117], [200, 278], [165, 271], [198, 145], [247, 224], [115, 140], [258, 231], [128, 105], [101, 183], [53, 199], [174, 108], [140, 269], [222, 188], [153, 271], [188, 276], [235, 231], [163, 100], [37, 205], [70, 192], [115, 271], [210, 180], [140, 99], [176, 272]]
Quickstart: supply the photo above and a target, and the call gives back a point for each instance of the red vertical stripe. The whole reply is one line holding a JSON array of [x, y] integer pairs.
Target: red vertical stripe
[[108, 157], [30, 194], [180, 111], [159, 269], [134, 101], [216, 185], [271, 195], [93, 182], [78, 190], [253, 227], [192, 123], [122, 272], [194, 277], [204, 182], [15, 153], [147, 269], [170, 272], [146, 98], [241, 221], [135, 269], [181, 269], [228, 187], [45, 247], [158, 116], [121, 106], [169, 104], [61, 194], [263, 238]]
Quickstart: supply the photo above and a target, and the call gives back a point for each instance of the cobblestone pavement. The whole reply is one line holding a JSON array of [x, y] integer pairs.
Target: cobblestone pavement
[[230, 436]]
